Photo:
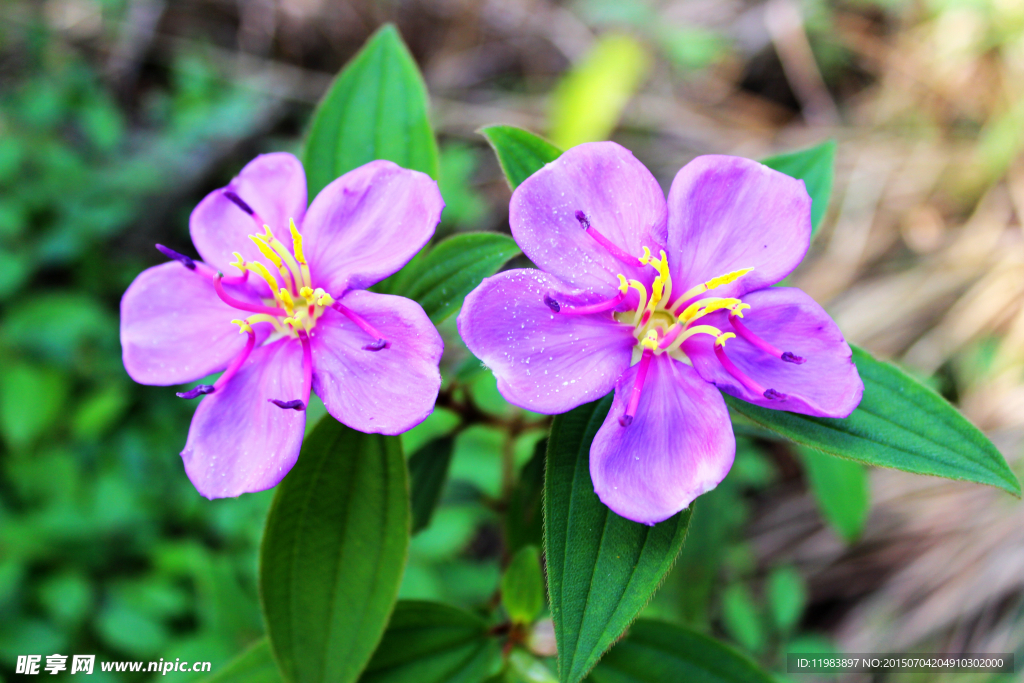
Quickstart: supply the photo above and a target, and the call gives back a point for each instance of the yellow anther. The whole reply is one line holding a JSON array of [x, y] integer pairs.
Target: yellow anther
[[721, 338], [264, 318], [296, 242], [265, 249], [262, 271], [239, 262], [623, 283], [286, 299], [726, 279], [738, 309], [293, 322], [245, 327], [714, 282], [639, 287], [645, 259], [650, 341], [662, 266], [325, 300], [657, 289]]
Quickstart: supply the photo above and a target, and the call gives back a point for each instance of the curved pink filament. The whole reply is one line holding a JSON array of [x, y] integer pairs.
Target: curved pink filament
[[638, 385], [218, 286], [612, 248], [380, 342], [595, 308], [307, 365], [236, 363], [743, 379], [744, 332]]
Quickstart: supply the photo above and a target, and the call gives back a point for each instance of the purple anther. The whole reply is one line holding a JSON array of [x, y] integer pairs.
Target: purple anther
[[239, 202], [175, 256], [791, 357], [584, 221], [288, 405], [773, 395], [626, 420], [377, 345], [551, 303], [197, 391]]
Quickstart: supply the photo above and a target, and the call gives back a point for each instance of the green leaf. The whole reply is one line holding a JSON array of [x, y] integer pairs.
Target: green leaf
[[587, 104], [901, 424], [741, 618], [31, 399], [522, 586], [427, 642], [657, 652], [428, 471], [841, 489], [255, 665], [816, 167], [602, 569], [441, 278], [333, 553], [787, 597], [520, 152], [375, 109], [525, 515]]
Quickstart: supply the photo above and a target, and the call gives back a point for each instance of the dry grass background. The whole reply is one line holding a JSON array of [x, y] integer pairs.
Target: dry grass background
[[921, 258]]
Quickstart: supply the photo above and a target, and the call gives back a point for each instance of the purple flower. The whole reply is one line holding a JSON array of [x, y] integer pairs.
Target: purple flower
[[296, 291], [667, 303]]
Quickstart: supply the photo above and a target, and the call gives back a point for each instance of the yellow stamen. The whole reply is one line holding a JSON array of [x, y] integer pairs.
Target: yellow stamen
[[239, 263], [702, 307], [244, 326], [650, 341], [300, 255], [713, 283], [623, 283], [646, 257], [262, 271], [307, 293], [287, 300], [299, 275], [721, 339], [690, 332], [738, 309], [265, 249], [267, 318], [325, 300], [639, 286]]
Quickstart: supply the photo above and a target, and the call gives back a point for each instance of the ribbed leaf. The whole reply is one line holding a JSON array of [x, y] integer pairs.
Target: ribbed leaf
[[657, 652], [816, 167], [255, 665], [427, 642], [520, 153], [900, 423], [333, 553], [428, 471], [439, 279], [602, 569], [375, 109]]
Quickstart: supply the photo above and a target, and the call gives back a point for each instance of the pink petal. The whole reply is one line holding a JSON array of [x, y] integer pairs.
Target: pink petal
[[174, 329], [368, 223], [544, 361], [619, 197], [826, 384], [679, 445], [274, 185], [729, 213], [239, 442], [380, 392]]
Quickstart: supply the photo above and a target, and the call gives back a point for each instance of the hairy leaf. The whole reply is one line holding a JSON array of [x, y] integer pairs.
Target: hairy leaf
[[333, 553]]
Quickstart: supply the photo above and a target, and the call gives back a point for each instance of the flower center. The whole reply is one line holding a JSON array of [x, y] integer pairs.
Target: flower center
[[293, 309], [661, 323]]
